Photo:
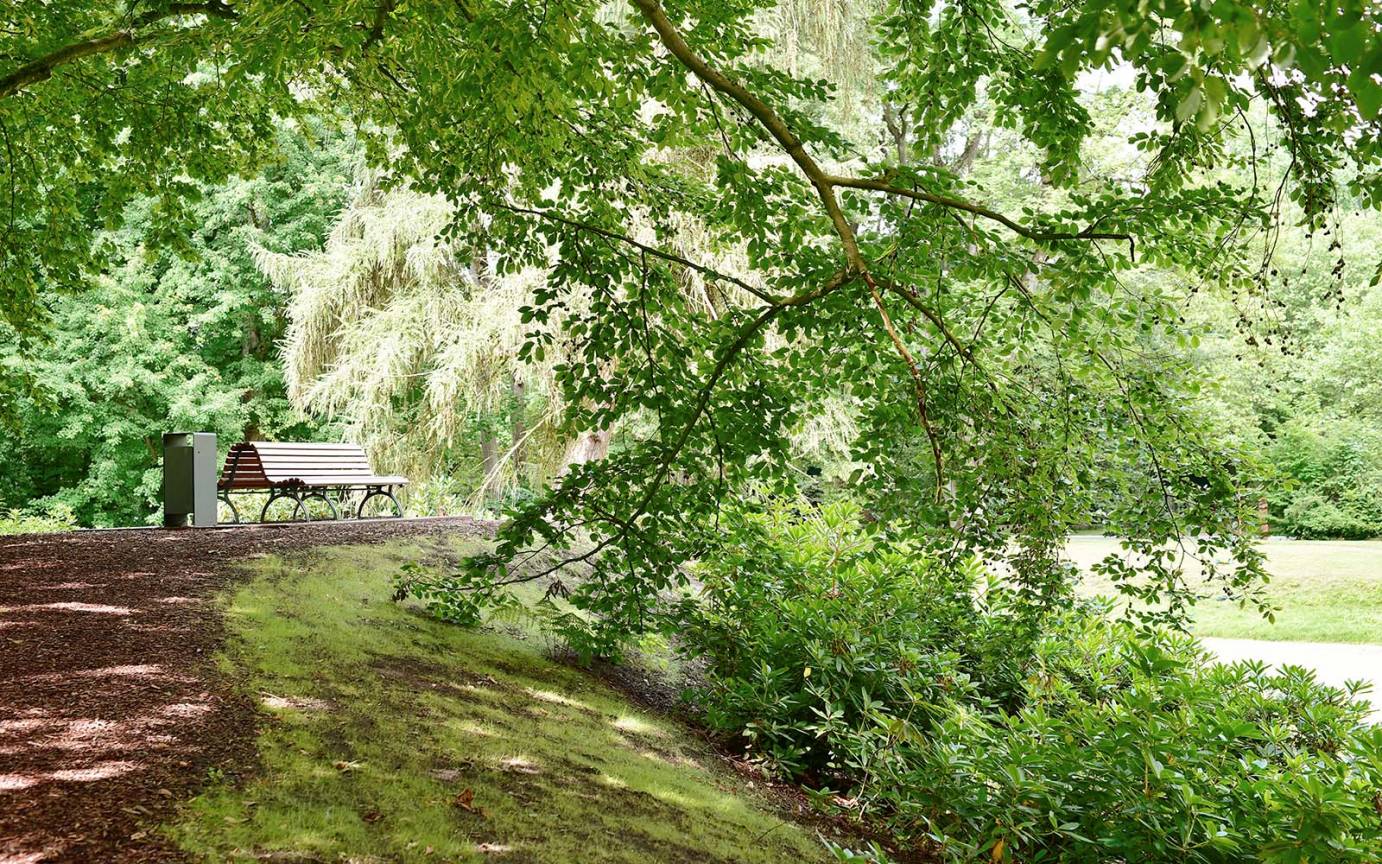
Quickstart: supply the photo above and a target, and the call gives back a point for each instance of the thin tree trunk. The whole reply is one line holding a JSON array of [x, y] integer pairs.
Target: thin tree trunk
[[518, 392], [489, 458], [895, 117], [965, 160], [489, 444]]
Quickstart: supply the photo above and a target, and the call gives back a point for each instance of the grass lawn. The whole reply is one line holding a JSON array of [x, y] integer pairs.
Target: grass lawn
[[387, 736], [1327, 591]]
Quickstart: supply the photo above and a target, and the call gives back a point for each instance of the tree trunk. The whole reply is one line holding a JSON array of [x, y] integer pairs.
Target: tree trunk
[[490, 453], [518, 393], [489, 458], [968, 154], [588, 447], [895, 117]]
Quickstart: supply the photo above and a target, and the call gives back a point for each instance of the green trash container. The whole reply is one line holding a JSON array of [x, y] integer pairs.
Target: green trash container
[[189, 479]]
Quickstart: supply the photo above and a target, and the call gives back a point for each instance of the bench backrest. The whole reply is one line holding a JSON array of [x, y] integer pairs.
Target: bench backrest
[[267, 464]]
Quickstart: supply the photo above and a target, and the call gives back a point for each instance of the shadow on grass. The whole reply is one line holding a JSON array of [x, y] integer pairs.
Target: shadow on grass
[[390, 737]]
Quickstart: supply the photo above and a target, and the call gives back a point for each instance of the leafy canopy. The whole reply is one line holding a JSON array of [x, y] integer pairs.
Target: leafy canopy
[[996, 362], [168, 339]]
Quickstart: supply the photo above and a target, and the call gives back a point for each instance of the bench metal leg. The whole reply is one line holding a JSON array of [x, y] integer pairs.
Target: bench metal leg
[[234, 512], [302, 503], [379, 492], [273, 496]]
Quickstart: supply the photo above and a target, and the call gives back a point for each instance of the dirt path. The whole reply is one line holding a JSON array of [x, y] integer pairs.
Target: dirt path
[[110, 710], [1333, 662]]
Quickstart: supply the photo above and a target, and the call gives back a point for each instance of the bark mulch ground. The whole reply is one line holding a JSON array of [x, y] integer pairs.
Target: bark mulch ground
[[110, 708]]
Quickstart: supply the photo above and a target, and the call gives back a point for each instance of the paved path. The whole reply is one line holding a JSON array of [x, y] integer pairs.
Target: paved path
[[1333, 662]]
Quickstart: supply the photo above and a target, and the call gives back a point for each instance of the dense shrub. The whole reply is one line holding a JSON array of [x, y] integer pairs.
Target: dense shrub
[[862, 666], [1333, 481], [807, 628], [1135, 748], [38, 520]]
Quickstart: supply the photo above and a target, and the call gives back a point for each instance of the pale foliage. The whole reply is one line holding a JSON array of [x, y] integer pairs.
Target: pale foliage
[[392, 333], [826, 36], [830, 39]]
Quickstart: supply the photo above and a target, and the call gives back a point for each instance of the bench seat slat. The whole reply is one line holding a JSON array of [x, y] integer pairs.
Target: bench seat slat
[[310, 460], [270, 465], [336, 465], [271, 446], [345, 480]]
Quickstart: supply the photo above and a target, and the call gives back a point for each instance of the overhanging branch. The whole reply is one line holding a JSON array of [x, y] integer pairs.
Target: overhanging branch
[[708, 272], [777, 127], [751, 328], [918, 383], [978, 210], [826, 183], [42, 68]]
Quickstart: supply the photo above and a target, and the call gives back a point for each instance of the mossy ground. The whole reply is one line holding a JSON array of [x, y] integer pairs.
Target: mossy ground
[[388, 736]]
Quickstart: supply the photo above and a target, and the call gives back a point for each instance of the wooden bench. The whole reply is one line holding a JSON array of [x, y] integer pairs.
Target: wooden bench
[[300, 472]]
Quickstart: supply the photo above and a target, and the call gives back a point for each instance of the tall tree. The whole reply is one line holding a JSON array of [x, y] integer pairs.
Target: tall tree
[[169, 339], [1007, 343], [406, 337]]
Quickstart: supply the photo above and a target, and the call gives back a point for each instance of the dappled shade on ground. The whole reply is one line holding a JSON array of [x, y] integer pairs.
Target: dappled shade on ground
[[110, 707], [393, 737]]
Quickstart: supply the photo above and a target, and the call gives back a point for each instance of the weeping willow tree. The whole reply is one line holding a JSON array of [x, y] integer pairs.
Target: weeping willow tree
[[402, 333], [831, 39]]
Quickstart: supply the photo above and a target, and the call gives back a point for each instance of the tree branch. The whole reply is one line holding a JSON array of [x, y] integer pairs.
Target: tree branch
[[669, 455], [824, 182], [776, 126], [381, 17], [978, 210], [42, 68], [708, 272], [918, 382], [911, 298]]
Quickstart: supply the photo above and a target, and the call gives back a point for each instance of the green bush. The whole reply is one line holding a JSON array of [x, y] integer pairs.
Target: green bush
[[808, 627], [1135, 748], [1332, 485], [47, 520], [860, 665]]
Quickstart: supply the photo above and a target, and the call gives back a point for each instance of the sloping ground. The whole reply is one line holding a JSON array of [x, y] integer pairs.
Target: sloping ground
[[111, 708], [391, 737]]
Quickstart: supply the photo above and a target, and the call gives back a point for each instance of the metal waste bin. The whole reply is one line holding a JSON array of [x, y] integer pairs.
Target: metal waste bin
[[189, 479]]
